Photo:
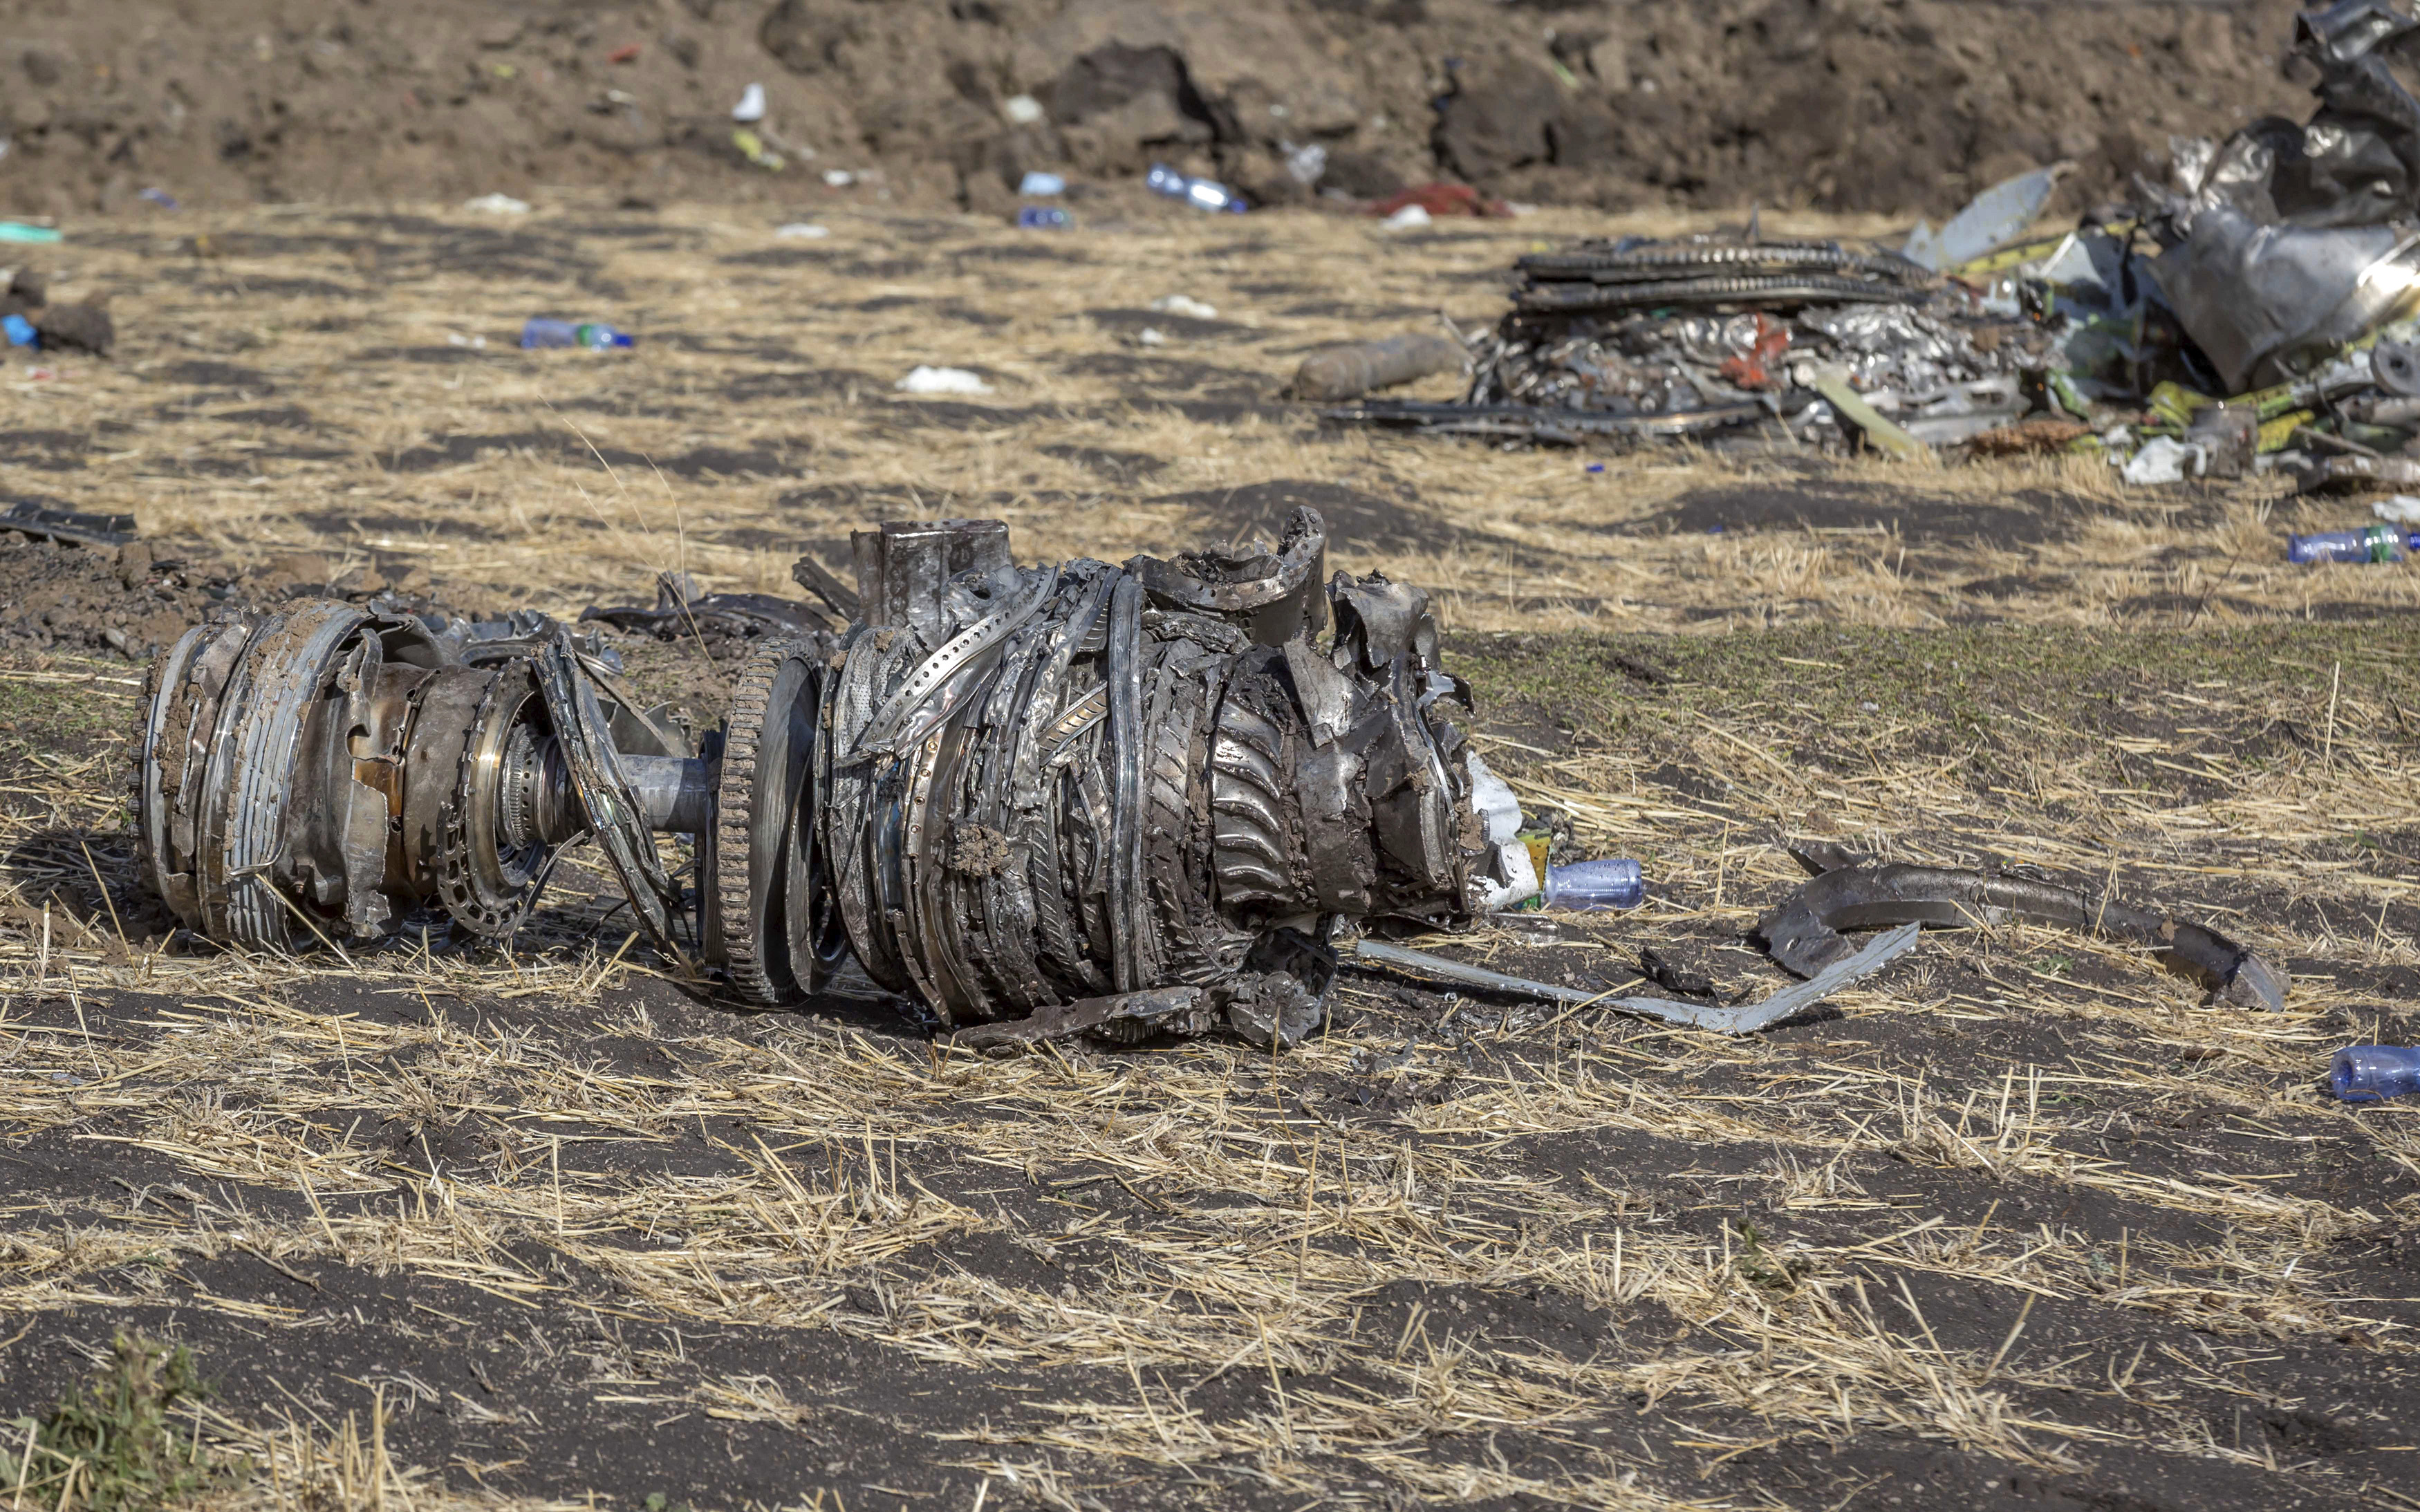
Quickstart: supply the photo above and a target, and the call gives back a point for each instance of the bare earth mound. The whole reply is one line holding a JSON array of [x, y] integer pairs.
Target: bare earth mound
[[1859, 107]]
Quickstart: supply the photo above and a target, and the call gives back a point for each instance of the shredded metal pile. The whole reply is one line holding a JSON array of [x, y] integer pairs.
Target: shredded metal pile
[[2258, 310], [1043, 800], [1651, 339]]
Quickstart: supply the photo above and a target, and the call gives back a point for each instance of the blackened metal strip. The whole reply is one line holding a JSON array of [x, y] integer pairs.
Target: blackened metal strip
[[1126, 737], [614, 819], [925, 685]]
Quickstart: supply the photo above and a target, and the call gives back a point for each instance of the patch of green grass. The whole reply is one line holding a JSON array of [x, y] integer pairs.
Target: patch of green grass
[[68, 717], [128, 1438], [2004, 686], [1958, 673]]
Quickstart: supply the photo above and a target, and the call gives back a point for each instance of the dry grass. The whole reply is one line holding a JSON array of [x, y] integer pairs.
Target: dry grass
[[287, 383], [2025, 1215]]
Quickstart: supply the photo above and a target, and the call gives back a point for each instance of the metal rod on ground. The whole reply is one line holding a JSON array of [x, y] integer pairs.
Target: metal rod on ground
[[1745, 1019]]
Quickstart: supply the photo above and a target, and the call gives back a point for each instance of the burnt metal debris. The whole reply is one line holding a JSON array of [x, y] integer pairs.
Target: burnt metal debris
[[1803, 933], [681, 610], [1847, 967], [2276, 273], [1647, 340], [1850, 891], [67, 525], [1043, 800]]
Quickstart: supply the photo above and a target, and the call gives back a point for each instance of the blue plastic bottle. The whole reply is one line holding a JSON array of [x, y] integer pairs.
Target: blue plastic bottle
[[2371, 543], [593, 334], [1202, 193], [1584, 886], [20, 330], [1041, 218], [2373, 1073]]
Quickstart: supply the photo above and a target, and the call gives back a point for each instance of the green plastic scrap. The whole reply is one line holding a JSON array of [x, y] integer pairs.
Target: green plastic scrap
[[2176, 404], [2277, 434], [2071, 398], [2282, 410], [20, 231], [1853, 407]]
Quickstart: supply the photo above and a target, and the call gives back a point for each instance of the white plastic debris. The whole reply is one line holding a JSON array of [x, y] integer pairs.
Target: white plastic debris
[[497, 205], [1185, 305], [2397, 509], [839, 177], [1022, 110], [923, 379], [750, 108], [1998, 214], [456, 338], [1150, 336], [1510, 876], [1305, 165], [1039, 185], [801, 231], [2165, 459], [1406, 218]]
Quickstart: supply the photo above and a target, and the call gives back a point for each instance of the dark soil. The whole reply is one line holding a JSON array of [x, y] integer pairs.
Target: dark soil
[[133, 601], [1909, 514], [2145, 1345], [81, 598], [1889, 105], [1368, 521]]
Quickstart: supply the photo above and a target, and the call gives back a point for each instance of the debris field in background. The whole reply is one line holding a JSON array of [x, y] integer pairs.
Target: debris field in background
[[2261, 309]]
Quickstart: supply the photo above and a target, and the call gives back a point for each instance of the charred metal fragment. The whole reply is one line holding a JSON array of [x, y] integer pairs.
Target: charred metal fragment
[[1745, 1018], [1803, 933], [681, 610], [69, 525], [1045, 800], [1548, 425]]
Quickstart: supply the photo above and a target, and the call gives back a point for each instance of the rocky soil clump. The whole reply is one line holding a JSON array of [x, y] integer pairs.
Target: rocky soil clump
[[1860, 105]]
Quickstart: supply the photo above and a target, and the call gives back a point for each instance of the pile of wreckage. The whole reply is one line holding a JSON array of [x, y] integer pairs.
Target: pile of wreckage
[[2257, 311], [1065, 800]]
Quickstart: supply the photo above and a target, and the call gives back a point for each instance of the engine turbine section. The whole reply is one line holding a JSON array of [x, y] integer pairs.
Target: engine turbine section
[[1043, 800]]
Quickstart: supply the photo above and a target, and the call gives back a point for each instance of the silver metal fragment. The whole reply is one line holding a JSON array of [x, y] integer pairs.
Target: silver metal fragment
[[1063, 800], [1745, 1019]]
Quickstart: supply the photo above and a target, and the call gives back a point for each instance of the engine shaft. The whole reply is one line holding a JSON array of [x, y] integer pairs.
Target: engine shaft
[[676, 793], [1065, 798]]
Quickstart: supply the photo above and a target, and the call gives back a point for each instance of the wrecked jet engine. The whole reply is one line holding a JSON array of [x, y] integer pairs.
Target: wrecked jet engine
[[1043, 800]]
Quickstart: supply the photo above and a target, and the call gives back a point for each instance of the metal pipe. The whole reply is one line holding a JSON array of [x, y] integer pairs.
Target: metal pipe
[[676, 793]]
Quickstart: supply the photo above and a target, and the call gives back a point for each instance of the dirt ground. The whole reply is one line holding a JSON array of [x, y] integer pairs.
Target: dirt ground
[[1881, 105], [2019, 1223]]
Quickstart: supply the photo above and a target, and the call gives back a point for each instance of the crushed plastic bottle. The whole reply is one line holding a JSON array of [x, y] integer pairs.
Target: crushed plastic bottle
[[1304, 165], [1041, 218], [1584, 886], [1202, 193], [2373, 1073], [593, 334], [2371, 543], [20, 332]]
